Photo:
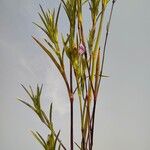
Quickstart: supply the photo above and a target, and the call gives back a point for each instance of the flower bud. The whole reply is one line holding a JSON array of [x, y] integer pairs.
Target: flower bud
[[81, 49]]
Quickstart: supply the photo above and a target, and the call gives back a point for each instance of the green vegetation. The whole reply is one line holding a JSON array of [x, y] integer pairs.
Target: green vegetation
[[86, 62]]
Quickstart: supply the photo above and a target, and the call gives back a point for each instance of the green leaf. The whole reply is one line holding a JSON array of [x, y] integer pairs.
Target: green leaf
[[27, 91], [57, 52], [41, 89], [43, 12], [50, 45], [50, 112], [41, 28], [39, 139], [49, 54], [57, 16], [32, 93], [43, 20], [45, 117], [27, 104], [56, 139]]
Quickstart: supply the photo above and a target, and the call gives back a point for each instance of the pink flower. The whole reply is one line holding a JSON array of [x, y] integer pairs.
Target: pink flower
[[81, 49]]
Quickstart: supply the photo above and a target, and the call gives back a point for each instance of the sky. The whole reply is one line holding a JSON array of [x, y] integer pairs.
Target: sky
[[123, 114]]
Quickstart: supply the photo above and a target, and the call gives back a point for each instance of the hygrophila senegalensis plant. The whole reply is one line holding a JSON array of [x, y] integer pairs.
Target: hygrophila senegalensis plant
[[86, 62]]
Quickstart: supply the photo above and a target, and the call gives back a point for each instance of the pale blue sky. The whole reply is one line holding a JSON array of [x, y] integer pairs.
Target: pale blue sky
[[123, 120]]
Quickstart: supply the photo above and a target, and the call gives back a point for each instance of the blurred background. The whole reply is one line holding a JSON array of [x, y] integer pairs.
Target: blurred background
[[123, 114]]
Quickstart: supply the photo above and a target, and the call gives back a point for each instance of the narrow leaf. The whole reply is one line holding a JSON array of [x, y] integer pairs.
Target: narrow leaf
[[49, 54], [43, 12], [57, 15], [43, 20], [56, 139], [45, 117], [41, 138], [32, 93], [40, 90], [50, 112], [27, 104], [41, 28], [50, 45], [38, 139], [27, 91]]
